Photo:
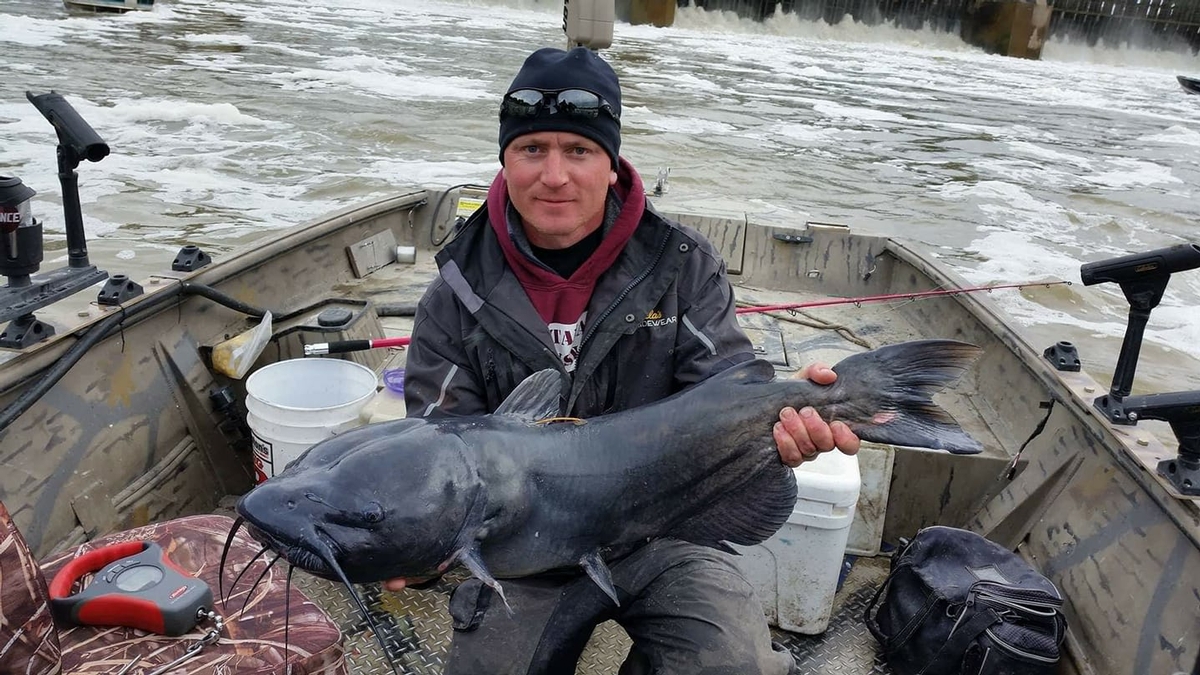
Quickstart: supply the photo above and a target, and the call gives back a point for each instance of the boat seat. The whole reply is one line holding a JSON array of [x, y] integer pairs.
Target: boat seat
[[253, 639]]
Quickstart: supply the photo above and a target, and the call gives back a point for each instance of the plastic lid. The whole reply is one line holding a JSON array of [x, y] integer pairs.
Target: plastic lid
[[394, 380], [334, 316]]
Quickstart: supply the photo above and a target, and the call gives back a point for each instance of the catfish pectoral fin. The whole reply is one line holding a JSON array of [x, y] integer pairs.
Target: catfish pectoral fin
[[744, 514], [593, 564], [471, 559]]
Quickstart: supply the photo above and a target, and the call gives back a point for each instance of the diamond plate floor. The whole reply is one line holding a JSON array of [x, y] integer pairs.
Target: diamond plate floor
[[416, 628]]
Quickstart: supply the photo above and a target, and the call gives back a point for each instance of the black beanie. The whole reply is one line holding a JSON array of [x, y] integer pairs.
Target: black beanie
[[551, 69]]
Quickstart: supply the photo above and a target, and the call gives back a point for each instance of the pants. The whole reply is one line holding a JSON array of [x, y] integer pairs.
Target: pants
[[687, 608]]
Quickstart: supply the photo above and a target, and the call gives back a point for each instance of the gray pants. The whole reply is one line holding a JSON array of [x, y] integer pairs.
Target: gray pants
[[687, 608]]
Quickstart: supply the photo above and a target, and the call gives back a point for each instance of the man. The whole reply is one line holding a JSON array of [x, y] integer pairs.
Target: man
[[568, 267]]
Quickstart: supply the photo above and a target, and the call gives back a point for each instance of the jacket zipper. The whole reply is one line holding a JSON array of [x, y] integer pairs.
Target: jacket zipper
[[662, 248]]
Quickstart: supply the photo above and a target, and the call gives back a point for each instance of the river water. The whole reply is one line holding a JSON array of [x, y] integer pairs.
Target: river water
[[229, 120]]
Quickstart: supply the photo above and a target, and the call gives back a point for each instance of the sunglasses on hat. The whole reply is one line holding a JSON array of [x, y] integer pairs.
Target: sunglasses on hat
[[570, 102]]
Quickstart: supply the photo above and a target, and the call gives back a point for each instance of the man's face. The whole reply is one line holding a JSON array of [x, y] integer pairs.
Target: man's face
[[558, 182]]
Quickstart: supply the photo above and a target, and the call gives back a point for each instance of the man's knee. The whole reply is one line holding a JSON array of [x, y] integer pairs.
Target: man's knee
[[546, 631], [701, 609]]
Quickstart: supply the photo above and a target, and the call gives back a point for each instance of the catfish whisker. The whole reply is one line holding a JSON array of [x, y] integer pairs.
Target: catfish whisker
[[287, 613], [327, 555], [257, 581], [248, 565], [237, 524]]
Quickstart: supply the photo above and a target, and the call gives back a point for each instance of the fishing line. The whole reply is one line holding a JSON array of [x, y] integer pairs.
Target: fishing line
[[819, 323]]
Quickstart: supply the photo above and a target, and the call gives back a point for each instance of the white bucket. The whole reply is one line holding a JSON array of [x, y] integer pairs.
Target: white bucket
[[297, 403]]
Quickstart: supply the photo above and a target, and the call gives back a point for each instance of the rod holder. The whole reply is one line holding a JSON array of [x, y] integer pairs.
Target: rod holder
[[1143, 278], [1181, 410]]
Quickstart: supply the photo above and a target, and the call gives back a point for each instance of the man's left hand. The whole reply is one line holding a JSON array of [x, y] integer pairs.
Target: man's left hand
[[802, 435]]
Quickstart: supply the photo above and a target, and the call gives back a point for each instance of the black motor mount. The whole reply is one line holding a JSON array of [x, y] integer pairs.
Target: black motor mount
[[1143, 278], [21, 250]]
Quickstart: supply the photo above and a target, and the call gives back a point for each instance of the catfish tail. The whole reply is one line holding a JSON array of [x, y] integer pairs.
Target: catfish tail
[[888, 394]]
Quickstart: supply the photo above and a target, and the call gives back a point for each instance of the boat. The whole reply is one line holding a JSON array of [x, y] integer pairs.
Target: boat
[[1190, 84], [118, 414], [110, 6]]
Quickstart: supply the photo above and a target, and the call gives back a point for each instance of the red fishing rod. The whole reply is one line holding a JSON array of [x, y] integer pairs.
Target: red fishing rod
[[891, 297], [319, 348]]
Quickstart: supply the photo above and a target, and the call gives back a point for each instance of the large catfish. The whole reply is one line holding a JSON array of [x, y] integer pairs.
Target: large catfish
[[512, 494]]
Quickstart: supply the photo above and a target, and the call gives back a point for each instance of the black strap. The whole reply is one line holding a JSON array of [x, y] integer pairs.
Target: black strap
[[872, 625], [951, 653]]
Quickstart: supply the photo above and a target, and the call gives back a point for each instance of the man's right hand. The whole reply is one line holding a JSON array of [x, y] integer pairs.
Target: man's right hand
[[395, 585]]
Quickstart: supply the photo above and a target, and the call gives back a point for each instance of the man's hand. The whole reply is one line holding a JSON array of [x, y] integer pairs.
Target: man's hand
[[400, 583], [803, 435]]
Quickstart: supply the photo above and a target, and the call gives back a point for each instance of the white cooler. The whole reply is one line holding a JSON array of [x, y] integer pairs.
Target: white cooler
[[795, 572]]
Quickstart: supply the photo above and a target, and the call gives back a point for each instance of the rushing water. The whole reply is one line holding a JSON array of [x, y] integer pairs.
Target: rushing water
[[230, 119]]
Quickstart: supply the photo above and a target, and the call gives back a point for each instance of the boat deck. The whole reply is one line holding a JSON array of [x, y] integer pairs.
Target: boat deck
[[416, 628]]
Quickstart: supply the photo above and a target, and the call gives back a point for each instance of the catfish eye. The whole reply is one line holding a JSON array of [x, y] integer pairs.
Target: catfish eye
[[373, 513]]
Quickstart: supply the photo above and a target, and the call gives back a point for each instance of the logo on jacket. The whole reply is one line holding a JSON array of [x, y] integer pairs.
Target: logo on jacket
[[565, 337], [654, 318]]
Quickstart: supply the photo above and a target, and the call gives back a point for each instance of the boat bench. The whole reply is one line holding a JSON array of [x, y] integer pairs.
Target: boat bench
[[252, 641]]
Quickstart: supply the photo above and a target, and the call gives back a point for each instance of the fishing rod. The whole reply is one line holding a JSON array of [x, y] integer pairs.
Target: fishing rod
[[891, 297], [342, 346]]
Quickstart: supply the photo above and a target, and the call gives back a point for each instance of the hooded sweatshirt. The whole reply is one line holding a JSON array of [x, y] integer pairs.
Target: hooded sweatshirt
[[562, 303]]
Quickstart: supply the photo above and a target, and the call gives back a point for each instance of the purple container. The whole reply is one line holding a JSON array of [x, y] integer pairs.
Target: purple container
[[394, 380]]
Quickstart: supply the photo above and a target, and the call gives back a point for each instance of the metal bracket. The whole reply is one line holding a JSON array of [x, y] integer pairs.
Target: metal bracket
[[372, 253], [792, 238], [24, 331], [1063, 356], [118, 289], [189, 259]]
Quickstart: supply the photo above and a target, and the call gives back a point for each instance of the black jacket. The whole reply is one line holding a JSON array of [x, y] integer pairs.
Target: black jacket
[[660, 319]]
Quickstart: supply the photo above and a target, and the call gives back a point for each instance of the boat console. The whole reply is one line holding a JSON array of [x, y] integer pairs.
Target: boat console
[[1143, 278]]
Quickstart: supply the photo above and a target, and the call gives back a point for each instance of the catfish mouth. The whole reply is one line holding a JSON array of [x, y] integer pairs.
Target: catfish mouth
[[299, 553]]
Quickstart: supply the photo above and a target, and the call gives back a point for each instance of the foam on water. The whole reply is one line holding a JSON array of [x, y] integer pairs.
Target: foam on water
[[1174, 135]]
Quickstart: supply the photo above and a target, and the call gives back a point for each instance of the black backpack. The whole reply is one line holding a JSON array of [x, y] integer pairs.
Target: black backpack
[[956, 603]]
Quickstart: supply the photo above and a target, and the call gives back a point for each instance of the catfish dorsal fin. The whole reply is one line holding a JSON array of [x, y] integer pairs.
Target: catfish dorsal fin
[[537, 397], [593, 564], [471, 559]]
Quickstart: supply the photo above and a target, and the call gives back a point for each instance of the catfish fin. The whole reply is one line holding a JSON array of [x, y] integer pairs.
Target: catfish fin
[[898, 382], [538, 397], [593, 564], [471, 559], [745, 515], [753, 371]]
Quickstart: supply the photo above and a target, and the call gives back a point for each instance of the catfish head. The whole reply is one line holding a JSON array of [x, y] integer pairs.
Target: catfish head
[[394, 499]]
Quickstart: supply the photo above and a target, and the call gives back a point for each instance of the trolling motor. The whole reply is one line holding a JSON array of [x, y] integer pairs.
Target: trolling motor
[[21, 233], [1143, 278]]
